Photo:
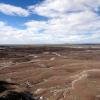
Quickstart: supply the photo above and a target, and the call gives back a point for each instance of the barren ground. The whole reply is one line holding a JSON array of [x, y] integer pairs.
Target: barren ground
[[54, 72]]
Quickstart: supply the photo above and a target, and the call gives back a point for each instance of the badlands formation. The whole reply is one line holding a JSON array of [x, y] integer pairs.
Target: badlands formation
[[53, 72]]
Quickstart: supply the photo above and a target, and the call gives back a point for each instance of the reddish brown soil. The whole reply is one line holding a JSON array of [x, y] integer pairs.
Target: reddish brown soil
[[53, 73]]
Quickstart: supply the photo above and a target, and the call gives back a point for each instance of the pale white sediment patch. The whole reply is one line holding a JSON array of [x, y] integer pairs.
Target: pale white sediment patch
[[5, 64], [33, 55], [52, 59], [82, 75], [57, 54]]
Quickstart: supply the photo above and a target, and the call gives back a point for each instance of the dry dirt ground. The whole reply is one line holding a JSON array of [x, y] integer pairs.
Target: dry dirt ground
[[53, 72]]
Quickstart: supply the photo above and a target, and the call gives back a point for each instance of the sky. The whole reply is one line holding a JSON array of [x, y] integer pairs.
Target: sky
[[49, 21]]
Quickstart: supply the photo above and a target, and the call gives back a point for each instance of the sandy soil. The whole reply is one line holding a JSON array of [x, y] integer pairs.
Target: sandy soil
[[53, 73]]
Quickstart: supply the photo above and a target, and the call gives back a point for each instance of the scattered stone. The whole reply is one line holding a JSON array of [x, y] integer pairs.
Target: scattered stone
[[28, 84], [41, 98]]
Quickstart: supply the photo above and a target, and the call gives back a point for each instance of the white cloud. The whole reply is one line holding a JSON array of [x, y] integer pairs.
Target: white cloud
[[13, 10], [70, 21], [74, 20], [11, 35], [55, 8]]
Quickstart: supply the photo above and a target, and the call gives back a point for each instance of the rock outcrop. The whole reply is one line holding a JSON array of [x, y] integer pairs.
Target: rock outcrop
[[11, 91]]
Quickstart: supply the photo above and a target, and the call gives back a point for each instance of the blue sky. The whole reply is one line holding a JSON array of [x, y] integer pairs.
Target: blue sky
[[49, 21], [16, 20], [21, 3]]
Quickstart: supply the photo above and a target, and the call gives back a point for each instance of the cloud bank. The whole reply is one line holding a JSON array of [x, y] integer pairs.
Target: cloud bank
[[69, 21]]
